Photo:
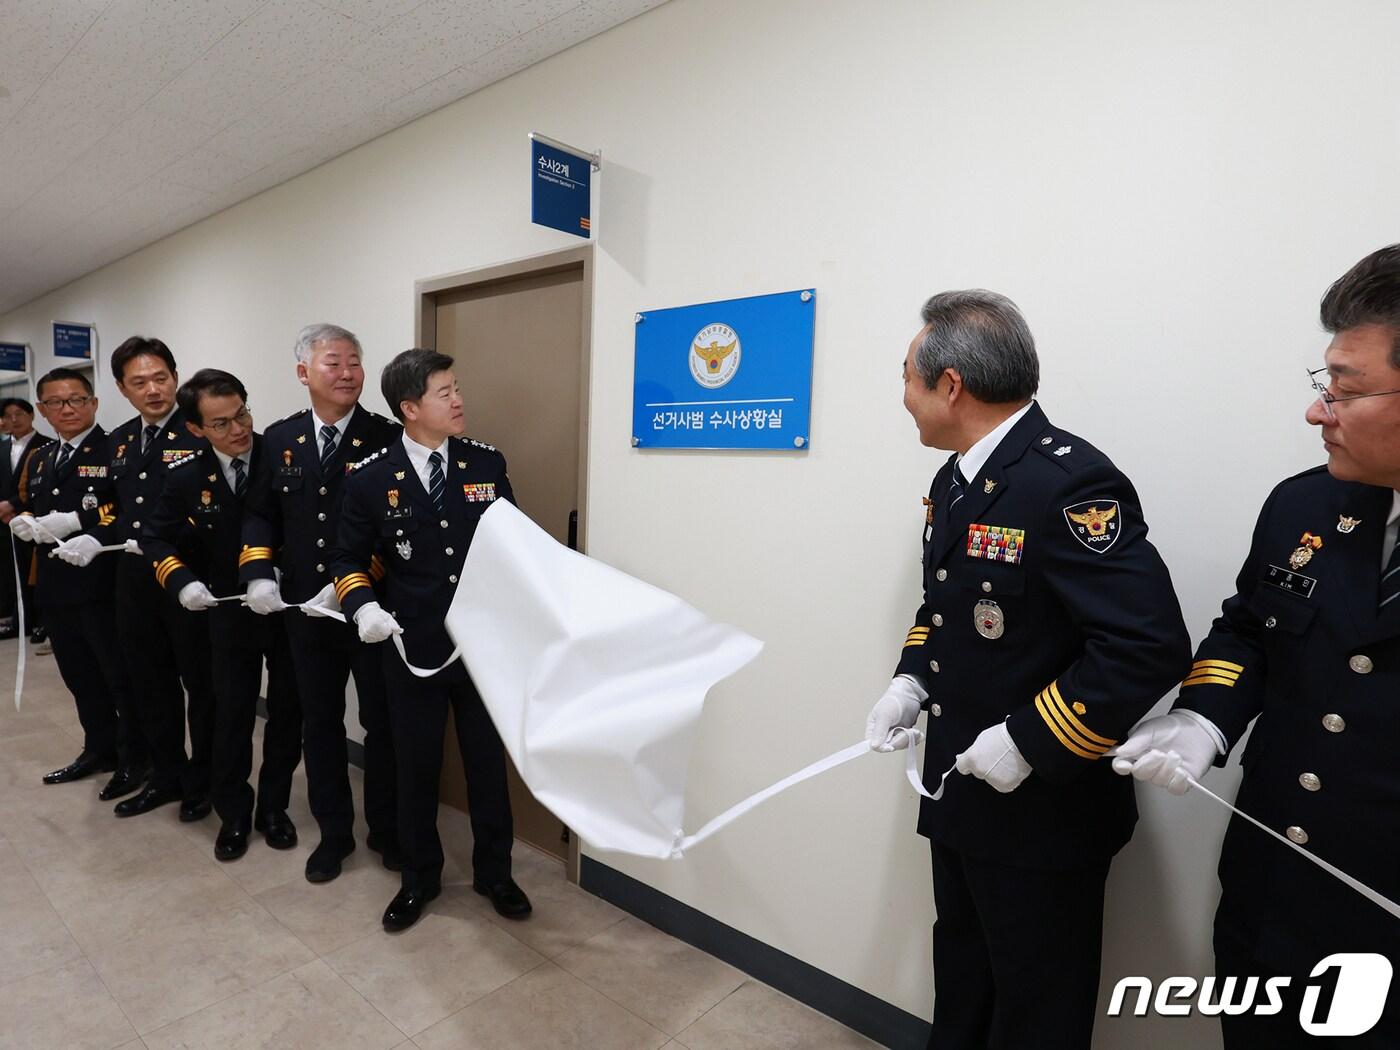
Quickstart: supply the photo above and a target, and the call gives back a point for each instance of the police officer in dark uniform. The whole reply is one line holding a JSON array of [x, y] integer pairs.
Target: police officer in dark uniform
[[208, 487], [416, 505], [1308, 649], [20, 441], [1049, 626], [67, 489], [167, 652], [290, 526]]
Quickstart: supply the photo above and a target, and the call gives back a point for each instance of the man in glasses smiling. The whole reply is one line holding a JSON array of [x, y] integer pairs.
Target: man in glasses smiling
[[1308, 649]]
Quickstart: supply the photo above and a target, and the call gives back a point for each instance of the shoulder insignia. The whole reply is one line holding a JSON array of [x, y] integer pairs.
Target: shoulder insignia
[[367, 460], [481, 444], [288, 419], [182, 461]]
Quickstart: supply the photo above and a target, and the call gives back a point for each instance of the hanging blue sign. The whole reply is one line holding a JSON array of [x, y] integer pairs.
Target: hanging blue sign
[[72, 340], [13, 357], [732, 374], [559, 195]]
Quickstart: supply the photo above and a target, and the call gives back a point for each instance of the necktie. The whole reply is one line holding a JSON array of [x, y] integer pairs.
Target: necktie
[[64, 454], [328, 436], [240, 478], [151, 430], [958, 488], [436, 481], [1390, 578]]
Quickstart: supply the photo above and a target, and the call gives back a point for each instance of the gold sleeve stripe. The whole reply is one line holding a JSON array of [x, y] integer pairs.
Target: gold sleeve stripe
[[346, 584], [1218, 665], [376, 568], [1087, 734], [1048, 716], [1205, 678], [165, 568], [918, 632], [254, 554], [105, 515]]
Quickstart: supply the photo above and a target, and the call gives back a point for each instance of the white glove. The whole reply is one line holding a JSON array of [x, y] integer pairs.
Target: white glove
[[263, 599], [995, 758], [375, 624], [196, 597], [1170, 750], [22, 525], [79, 551], [324, 603], [132, 547], [59, 524], [897, 709]]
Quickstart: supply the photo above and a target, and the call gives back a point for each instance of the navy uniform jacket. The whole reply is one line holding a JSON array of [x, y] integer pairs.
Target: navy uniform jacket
[[294, 511], [197, 493], [9, 479], [387, 513], [138, 477], [83, 485], [1302, 647], [1046, 606]]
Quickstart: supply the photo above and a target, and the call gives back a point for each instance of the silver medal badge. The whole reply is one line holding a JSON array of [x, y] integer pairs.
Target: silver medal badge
[[988, 619]]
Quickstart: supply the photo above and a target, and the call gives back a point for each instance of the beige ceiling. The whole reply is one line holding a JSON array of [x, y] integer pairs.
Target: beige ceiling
[[122, 121]]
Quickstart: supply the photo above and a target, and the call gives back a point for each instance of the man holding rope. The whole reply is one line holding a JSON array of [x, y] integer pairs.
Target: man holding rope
[[1308, 649]]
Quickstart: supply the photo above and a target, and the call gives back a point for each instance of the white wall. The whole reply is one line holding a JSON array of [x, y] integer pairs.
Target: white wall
[[1166, 189]]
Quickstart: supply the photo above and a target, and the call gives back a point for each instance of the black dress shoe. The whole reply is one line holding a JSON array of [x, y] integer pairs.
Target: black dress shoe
[[277, 829], [507, 898], [232, 842], [126, 780], [324, 862], [147, 800], [8, 631], [195, 807], [388, 850], [38, 635], [407, 906], [85, 765]]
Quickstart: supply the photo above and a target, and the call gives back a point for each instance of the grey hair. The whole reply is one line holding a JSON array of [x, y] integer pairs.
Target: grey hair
[[982, 336], [312, 334]]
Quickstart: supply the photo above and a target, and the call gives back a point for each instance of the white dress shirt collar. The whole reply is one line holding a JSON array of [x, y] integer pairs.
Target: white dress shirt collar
[[226, 465], [972, 461], [418, 456], [76, 442], [339, 425]]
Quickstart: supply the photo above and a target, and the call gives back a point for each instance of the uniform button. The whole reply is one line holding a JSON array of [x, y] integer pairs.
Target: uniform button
[[135, 524], [938, 619], [1361, 664], [935, 710], [443, 523], [1297, 835], [399, 532], [1310, 782], [323, 490], [321, 516], [320, 568], [451, 579], [1333, 723], [55, 492], [320, 543], [1271, 622], [448, 550], [987, 586], [141, 476], [140, 499], [1047, 441], [940, 575], [286, 489], [933, 666]]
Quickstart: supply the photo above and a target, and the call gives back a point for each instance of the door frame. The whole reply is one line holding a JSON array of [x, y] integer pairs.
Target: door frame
[[425, 295]]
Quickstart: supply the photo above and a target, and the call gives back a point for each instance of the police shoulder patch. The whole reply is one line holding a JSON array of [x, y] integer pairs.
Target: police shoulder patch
[[1094, 523]]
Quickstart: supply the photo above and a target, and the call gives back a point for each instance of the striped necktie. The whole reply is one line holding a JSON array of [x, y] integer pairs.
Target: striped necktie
[[240, 478], [328, 436], [151, 431], [436, 481], [957, 489], [64, 454], [1390, 577]]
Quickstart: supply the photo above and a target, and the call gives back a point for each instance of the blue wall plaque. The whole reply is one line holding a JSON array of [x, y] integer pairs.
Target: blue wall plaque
[[72, 340], [732, 374], [559, 194], [12, 357]]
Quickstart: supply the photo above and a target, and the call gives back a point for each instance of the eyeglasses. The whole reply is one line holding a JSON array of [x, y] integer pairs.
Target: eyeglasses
[[53, 404], [1328, 398], [220, 426]]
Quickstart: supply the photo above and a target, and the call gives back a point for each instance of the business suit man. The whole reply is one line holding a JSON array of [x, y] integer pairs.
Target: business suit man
[[1308, 651], [1048, 627], [20, 440]]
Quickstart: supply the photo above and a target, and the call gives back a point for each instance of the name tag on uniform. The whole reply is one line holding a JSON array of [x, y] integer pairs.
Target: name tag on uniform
[[482, 493], [1290, 581], [92, 472], [397, 512], [996, 543], [289, 472]]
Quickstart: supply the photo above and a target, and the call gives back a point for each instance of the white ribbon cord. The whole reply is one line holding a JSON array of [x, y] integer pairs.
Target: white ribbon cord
[[100, 550], [1379, 899], [23, 627]]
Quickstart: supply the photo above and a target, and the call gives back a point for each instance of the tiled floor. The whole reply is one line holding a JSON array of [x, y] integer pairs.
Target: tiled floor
[[128, 934]]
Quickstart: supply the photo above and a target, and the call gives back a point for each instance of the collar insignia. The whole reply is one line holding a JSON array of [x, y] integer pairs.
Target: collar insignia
[[1347, 525]]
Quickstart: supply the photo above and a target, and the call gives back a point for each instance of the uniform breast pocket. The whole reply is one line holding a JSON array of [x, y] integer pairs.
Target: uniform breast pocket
[[991, 578], [289, 483], [1285, 617], [397, 528]]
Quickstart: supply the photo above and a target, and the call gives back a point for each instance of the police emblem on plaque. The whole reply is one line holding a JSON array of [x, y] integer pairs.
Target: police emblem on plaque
[[714, 355]]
